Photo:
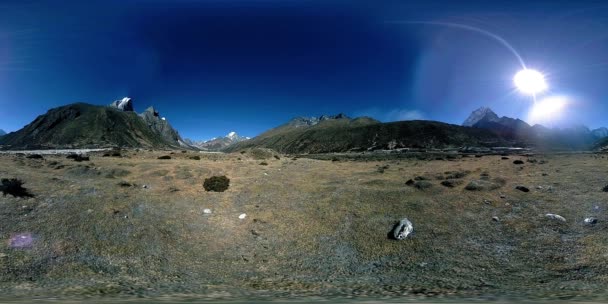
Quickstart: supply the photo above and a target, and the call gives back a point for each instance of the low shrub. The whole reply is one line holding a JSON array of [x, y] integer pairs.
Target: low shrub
[[216, 183], [164, 157], [14, 187]]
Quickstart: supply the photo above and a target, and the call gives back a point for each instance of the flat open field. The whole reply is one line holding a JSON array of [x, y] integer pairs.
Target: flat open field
[[136, 225]]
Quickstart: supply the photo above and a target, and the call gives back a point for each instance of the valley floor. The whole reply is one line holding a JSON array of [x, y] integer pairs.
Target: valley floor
[[138, 225]]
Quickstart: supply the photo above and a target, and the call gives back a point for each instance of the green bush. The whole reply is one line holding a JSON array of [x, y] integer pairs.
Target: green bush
[[264, 163], [195, 157], [164, 157], [14, 187], [216, 183]]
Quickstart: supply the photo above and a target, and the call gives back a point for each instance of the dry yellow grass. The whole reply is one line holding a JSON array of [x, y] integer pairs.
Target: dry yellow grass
[[312, 226]]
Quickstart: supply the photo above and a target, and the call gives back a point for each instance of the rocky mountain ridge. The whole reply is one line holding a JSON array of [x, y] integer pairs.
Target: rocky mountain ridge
[[82, 125]]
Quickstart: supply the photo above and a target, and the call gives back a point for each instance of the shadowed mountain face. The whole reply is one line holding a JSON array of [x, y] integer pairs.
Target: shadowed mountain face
[[360, 134], [161, 126], [82, 125], [572, 138]]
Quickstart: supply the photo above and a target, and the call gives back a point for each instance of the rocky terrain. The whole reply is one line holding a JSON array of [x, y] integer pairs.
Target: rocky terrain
[[140, 223], [82, 125]]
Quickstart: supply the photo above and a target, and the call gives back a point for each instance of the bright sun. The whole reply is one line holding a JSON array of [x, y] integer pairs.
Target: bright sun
[[530, 81]]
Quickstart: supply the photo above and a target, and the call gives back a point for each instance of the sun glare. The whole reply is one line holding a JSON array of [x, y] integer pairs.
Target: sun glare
[[547, 110], [530, 81]]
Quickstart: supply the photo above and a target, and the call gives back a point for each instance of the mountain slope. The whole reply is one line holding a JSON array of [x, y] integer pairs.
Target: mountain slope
[[2, 132], [218, 143], [341, 135], [82, 125]]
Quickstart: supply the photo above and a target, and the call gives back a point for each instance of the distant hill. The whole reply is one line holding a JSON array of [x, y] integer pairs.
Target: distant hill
[[342, 134], [2, 132], [218, 143], [572, 138], [82, 125]]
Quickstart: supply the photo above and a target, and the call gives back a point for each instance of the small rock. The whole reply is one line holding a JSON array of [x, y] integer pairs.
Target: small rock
[[265, 173], [539, 187], [242, 216], [590, 221], [421, 185], [207, 211], [487, 202], [518, 162], [605, 189], [451, 183], [555, 217], [522, 188], [502, 196], [495, 218], [409, 182], [402, 229], [145, 186], [545, 174]]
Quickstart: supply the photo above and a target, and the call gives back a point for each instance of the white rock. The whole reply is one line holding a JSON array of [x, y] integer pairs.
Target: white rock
[[242, 216], [207, 211], [555, 217], [403, 229]]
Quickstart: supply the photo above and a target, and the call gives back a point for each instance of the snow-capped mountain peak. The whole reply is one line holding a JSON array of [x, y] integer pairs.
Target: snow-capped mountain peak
[[232, 135]]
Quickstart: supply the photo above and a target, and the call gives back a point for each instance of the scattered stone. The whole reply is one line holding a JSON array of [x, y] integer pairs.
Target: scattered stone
[[502, 196], [482, 185], [590, 221], [555, 217], [242, 216], [145, 186], [518, 162], [402, 229], [124, 184], [487, 202], [522, 188], [421, 185], [495, 218], [451, 183], [207, 211], [78, 157]]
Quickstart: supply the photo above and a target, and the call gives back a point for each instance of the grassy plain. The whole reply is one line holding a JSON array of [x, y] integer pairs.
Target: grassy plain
[[136, 225]]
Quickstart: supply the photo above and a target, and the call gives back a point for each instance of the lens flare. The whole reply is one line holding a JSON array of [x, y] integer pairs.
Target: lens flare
[[530, 81], [548, 110]]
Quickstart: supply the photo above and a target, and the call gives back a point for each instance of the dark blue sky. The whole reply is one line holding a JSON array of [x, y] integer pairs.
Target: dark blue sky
[[212, 67]]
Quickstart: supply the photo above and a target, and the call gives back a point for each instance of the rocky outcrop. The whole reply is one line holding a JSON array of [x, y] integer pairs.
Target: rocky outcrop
[[161, 126], [125, 104]]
